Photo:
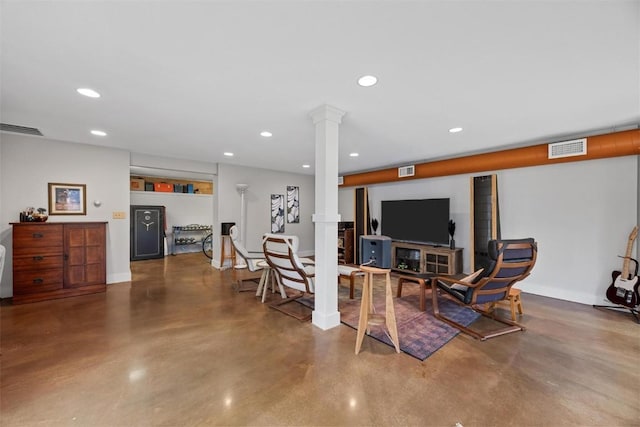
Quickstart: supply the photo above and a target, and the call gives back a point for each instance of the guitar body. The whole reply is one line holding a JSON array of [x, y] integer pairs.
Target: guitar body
[[622, 296]]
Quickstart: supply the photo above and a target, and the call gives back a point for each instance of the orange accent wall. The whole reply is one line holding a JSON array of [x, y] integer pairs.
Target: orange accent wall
[[626, 143]]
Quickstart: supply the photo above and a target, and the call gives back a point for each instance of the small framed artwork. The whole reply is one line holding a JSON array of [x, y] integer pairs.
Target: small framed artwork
[[293, 204], [67, 199], [277, 213]]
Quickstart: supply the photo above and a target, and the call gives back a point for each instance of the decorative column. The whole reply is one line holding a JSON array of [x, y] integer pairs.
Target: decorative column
[[327, 120]]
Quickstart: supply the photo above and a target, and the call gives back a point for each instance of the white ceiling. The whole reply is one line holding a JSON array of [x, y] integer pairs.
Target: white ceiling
[[195, 79]]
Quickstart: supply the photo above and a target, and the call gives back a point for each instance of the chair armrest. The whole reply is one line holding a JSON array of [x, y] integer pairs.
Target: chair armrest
[[464, 281], [255, 255]]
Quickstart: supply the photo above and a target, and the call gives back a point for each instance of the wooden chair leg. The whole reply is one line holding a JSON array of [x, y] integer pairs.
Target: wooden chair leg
[[519, 305], [352, 284], [364, 313], [423, 291]]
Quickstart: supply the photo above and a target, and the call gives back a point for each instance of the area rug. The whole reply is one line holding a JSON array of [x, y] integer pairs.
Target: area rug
[[420, 333]]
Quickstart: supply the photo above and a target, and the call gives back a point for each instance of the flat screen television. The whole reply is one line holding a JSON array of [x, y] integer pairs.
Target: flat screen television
[[417, 221]]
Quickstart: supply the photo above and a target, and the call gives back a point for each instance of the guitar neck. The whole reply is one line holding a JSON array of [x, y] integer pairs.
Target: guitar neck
[[627, 257]]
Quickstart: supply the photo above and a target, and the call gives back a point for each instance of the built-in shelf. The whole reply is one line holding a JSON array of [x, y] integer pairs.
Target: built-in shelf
[[148, 184], [160, 193]]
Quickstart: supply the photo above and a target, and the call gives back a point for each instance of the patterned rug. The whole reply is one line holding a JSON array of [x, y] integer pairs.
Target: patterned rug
[[420, 333]]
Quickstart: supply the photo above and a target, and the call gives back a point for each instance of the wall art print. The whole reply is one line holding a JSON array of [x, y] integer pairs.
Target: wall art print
[[277, 213], [293, 204], [67, 199]]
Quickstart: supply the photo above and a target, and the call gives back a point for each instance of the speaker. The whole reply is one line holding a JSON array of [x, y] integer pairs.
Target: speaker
[[361, 215], [485, 218], [226, 228], [376, 249]]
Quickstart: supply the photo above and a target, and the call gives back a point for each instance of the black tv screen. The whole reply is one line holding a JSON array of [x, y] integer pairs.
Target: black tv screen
[[419, 221]]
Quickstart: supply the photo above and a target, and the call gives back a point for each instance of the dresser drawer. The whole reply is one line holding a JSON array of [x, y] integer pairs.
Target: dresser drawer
[[42, 259], [26, 282], [28, 238]]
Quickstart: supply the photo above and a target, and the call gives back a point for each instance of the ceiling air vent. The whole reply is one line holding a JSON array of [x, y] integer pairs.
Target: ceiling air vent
[[4, 127], [340, 180], [406, 171], [576, 147]]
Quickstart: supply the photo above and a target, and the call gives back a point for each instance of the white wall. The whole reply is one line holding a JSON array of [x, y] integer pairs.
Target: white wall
[[180, 209], [580, 213], [174, 167], [347, 204], [262, 183], [30, 163]]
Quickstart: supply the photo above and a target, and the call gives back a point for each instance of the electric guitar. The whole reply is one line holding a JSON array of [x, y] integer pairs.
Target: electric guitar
[[624, 289]]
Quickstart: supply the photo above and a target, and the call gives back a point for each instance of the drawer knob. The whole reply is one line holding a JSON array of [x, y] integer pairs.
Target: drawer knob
[[37, 235], [38, 281], [38, 258]]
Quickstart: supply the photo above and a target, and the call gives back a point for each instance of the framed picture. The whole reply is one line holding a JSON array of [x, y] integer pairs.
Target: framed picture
[[67, 199], [293, 204], [277, 213]]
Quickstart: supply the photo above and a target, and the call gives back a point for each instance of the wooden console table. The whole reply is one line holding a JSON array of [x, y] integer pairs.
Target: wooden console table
[[413, 258]]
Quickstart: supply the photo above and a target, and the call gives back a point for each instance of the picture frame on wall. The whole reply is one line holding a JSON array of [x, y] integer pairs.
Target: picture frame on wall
[[277, 213], [67, 199], [293, 204]]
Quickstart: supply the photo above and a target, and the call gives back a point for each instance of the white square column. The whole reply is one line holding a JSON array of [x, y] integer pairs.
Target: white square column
[[327, 120]]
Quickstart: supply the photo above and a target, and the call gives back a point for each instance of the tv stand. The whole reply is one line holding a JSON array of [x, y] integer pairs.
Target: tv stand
[[414, 258]]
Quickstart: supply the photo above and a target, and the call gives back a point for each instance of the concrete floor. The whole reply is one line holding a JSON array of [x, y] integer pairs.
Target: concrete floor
[[178, 346]]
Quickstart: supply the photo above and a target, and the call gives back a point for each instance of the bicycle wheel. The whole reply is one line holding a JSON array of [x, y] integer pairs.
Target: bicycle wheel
[[207, 246]]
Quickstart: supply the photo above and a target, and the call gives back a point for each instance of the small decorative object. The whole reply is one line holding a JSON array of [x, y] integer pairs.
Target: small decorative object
[[33, 215], [452, 230], [67, 199], [374, 225], [41, 215], [293, 204], [277, 213]]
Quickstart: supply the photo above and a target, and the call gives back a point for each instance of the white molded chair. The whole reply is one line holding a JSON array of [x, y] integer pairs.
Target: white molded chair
[[281, 254], [251, 259]]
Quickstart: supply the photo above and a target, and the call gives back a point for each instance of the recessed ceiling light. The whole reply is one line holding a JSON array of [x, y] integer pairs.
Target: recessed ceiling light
[[98, 133], [228, 154], [88, 92], [455, 130], [354, 154], [266, 134], [306, 166], [367, 81]]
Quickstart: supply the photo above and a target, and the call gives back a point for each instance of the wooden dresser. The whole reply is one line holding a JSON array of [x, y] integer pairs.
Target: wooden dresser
[[58, 260]]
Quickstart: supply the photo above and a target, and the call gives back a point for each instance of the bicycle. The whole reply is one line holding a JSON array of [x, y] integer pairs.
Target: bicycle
[[207, 246]]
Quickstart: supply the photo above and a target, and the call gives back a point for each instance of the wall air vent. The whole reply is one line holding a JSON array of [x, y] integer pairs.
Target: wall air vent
[[340, 180], [4, 127], [575, 147], [406, 171]]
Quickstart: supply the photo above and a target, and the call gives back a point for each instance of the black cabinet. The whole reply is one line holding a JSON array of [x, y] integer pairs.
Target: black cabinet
[[147, 232]]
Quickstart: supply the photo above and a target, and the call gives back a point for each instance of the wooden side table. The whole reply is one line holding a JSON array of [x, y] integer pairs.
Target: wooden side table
[[421, 279], [514, 303], [368, 315], [349, 272]]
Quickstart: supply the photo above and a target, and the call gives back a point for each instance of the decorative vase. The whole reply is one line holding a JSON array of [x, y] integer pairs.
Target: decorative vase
[[374, 225], [452, 244]]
